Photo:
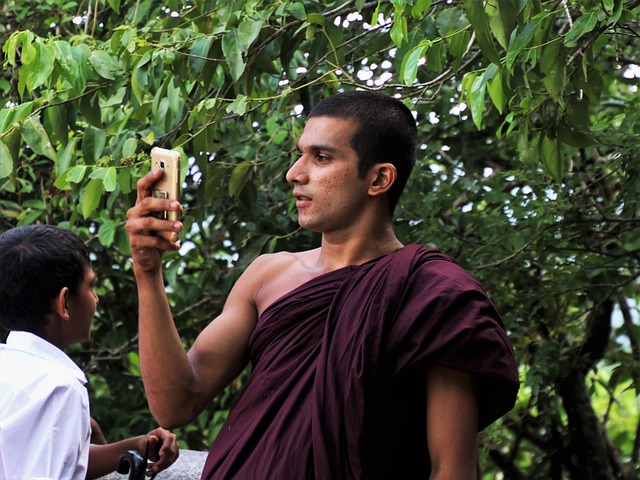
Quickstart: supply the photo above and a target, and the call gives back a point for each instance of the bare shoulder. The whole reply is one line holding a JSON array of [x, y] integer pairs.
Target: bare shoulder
[[268, 262], [277, 274]]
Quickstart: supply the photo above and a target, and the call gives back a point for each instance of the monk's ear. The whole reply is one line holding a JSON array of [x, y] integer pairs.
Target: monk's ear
[[59, 303], [382, 175]]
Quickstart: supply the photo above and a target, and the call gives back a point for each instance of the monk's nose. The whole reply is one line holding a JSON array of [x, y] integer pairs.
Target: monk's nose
[[296, 173]]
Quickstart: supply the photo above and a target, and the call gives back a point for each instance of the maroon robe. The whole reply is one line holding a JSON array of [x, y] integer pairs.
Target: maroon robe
[[337, 389]]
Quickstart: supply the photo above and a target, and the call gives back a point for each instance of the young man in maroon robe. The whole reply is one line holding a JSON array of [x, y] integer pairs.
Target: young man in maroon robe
[[370, 359]]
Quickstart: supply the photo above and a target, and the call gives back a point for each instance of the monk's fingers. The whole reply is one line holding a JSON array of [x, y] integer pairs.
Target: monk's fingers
[[149, 205], [146, 183], [142, 232]]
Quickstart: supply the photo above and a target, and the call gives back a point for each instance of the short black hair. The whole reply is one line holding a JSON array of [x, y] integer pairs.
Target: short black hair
[[36, 262], [385, 132]]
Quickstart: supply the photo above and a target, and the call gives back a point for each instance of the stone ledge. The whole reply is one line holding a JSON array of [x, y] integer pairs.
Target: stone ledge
[[188, 467]]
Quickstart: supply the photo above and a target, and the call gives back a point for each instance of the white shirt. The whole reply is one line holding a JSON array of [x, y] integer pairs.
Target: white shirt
[[44, 412]]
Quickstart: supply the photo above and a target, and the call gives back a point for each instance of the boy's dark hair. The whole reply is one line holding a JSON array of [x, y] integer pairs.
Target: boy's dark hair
[[386, 132], [36, 262]]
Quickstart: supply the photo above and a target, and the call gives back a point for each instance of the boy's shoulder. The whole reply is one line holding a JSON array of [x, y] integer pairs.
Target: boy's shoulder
[[31, 364], [31, 371]]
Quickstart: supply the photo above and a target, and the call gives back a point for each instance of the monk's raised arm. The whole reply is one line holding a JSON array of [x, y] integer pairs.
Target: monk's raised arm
[[178, 384]]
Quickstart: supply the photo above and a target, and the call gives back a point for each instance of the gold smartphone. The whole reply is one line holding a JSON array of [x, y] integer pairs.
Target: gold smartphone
[[168, 186]]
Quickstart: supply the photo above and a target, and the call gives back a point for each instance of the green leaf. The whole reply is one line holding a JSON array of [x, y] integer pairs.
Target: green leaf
[[480, 23], [522, 40], [239, 177], [583, 25], [239, 105], [107, 232], [16, 114], [174, 96], [399, 32], [124, 180], [91, 197], [25, 38], [232, 51], [420, 7], [110, 180], [91, 110], [62, 182], [134, 364], [553, 63], [375, 15], [42, 69], [35, 203], [297, 10], [98, 173], [436, 57], [36, 137], [409, 68], [577, 113], [93, 143], [129, 147], [315, 19], [616, 12], [66, 156], [502, 17], [248, 31], [215, 180], [115, 5], [65, 61], [29, 216], [495, 87], [76, 174], [570, 135], [552, 158], [13, 139], [102, 63], [6, 162], [80, 54], [56, 122], [199, 54], [451, 21], [139, 77], [475, 98]]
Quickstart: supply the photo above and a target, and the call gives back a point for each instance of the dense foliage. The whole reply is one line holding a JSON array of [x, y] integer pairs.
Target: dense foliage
[[529, 117]]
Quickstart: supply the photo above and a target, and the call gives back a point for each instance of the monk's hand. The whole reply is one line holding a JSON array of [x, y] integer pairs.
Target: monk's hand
[[147, 247], [162, 449]]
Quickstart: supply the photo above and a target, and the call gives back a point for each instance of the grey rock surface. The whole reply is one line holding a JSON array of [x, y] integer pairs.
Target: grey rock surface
[[187, 467]]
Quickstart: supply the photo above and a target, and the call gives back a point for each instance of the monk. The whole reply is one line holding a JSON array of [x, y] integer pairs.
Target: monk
[[370, 359]]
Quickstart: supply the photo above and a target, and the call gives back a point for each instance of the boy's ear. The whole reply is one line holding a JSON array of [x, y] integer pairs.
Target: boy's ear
[[60, 303], [383, 175]]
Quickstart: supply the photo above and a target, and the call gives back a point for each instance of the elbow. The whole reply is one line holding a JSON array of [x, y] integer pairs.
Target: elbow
[[169, 425], [169, 422], [169, 417]]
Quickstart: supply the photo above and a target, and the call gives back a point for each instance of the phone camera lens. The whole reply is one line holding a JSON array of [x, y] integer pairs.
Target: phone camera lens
[[161, 164]]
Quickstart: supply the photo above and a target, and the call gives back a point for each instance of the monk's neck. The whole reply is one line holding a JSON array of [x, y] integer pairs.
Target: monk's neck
[[336, 253]]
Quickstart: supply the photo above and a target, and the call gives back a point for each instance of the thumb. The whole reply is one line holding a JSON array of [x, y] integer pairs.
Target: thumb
[[153, 444]]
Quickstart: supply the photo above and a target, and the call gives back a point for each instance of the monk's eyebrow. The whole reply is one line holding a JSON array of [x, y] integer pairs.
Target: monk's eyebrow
[[317, 148]]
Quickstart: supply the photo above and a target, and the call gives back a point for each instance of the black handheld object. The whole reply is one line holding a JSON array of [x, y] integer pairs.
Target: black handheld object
[[132, 463]]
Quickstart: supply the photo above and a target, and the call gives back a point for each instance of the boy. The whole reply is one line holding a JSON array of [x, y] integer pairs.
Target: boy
[[47, 302]]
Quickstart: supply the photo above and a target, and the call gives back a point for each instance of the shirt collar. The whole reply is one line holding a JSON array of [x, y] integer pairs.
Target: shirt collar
[[30, 343]]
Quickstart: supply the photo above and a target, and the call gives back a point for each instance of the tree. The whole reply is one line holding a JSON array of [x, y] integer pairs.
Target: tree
[[528, 120]]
